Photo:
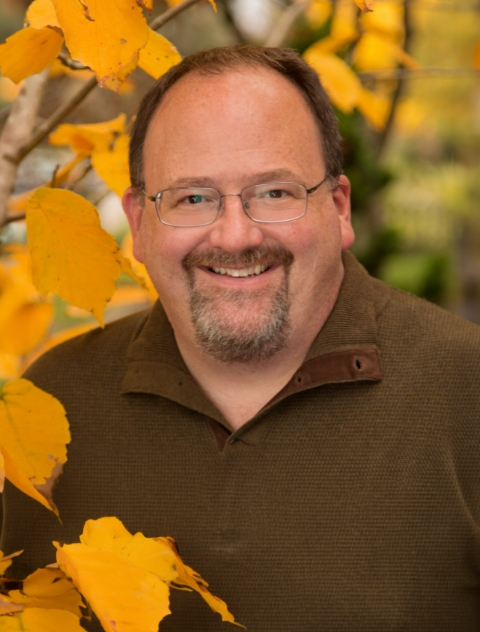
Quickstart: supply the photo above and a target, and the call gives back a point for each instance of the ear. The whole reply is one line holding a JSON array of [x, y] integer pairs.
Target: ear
[[341, 198], [134, 212]]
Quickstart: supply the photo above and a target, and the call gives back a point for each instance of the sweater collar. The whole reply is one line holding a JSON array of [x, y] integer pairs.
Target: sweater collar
[[345, 350]]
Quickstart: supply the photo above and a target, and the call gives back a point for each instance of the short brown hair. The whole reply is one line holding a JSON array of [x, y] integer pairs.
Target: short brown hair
[[218, 60]]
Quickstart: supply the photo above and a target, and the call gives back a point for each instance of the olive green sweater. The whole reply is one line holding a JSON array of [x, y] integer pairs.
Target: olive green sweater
[[349, 503]]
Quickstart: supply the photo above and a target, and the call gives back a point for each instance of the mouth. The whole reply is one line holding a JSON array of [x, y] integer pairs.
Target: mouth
[[242, 272]]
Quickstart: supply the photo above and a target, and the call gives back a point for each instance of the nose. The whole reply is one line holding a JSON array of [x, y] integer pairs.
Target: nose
[[233, 231]]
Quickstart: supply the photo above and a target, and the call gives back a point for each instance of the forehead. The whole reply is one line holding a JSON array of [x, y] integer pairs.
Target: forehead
[[240, 112], [234, 92]]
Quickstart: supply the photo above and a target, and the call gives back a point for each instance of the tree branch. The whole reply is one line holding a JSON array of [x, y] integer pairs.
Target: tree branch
[[171, 13], [444, 6], [414, 73], [18, 126], [64, 110], [282, 27]]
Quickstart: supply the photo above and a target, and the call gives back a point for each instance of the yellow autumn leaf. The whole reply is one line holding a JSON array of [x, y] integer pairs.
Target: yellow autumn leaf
[[340, 82], [344, 21], [83, 139], [376, 52], [2, 485], [24, 316], [117, 82], [130, 599], [111, 164], [318, 12], [139, 569], [364, 5], [6, 560], [28, 52], [41, 620], [72, 255], [374, 107], [343, 30], [188, 577], [33, 437], [105, 36], [139, 269], [48, 588], [25, 328], [146, 4], [158, 56], [387, 20], [149, 554], [41, 13], [127, 268], [10, 366]]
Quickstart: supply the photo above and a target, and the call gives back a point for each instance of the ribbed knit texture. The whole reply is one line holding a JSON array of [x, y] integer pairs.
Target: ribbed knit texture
[[352, 506]]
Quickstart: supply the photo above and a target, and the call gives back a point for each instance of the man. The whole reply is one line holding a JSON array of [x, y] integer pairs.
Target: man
[[308, 435]]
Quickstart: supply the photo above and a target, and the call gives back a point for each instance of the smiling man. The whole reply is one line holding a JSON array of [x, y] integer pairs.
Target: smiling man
[[307, 434]]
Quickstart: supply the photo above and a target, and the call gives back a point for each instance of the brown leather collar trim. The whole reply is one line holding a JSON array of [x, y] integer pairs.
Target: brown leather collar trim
[[339, 366]]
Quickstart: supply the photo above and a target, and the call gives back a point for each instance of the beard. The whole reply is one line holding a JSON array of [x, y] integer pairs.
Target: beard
[[240, 325]]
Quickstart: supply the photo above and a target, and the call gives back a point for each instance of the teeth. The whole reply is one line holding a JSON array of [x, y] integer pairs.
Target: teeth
[[244, 272]]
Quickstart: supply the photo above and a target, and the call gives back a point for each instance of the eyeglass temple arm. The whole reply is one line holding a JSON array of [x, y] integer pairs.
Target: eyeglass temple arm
[[313, 189], [152, 198]]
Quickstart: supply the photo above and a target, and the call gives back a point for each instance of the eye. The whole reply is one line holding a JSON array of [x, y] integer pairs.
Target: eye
[[193, 199], [275, 193]]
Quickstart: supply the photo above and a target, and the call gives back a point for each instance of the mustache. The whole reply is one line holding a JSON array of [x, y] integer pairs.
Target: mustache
[[263, 255]]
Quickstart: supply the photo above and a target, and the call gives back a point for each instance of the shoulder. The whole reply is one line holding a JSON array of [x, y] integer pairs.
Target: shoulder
[[416, 331]]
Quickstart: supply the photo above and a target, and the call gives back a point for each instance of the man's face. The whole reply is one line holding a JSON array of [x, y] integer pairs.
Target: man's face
[[240, 128]]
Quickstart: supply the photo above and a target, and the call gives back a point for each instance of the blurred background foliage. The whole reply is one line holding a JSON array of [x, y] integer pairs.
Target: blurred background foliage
[[415, 183]]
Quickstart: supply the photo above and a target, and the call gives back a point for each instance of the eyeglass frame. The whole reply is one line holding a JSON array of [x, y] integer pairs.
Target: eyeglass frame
[[158, 197]]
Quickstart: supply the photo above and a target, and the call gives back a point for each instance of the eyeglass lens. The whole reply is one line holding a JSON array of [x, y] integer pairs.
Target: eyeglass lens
[[272, 202]]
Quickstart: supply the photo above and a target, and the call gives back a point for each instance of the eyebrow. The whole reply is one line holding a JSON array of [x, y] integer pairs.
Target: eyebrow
[[277, 175]]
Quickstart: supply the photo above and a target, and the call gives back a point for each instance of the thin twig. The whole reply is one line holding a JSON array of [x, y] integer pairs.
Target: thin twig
[[282, 28], [71, 63], [414, 73], [382, 138], [14, 217], [171, 13]]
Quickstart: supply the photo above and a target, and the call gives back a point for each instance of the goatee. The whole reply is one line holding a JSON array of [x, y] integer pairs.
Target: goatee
[[260, 324]]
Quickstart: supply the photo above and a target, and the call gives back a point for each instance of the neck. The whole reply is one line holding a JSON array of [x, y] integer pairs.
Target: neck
[[241, 390]]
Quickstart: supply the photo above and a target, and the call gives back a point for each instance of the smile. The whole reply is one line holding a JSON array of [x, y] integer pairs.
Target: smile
[[243, 272]]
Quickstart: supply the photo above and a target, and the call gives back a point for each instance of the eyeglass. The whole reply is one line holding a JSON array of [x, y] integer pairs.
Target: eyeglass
[[270, 203]]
